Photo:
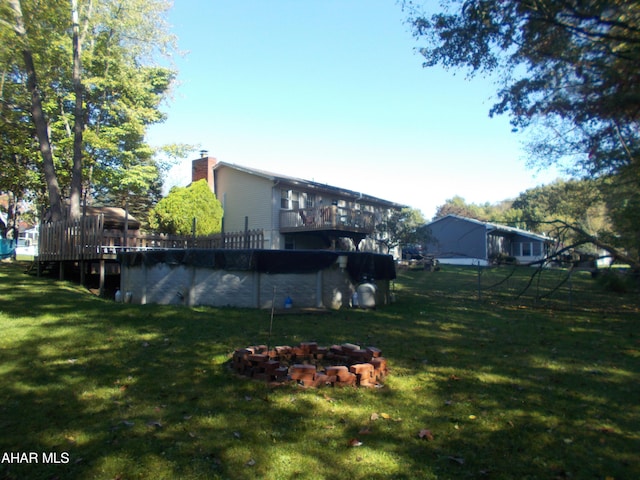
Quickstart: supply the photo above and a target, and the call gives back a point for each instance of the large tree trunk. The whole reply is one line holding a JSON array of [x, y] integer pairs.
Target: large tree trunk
[[37, 113], [76, 174]]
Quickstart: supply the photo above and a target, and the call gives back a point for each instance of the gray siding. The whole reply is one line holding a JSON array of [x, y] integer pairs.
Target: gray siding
[[457, 238]]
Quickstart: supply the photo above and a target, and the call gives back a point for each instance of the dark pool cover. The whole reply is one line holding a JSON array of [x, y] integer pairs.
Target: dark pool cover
[[360, 265]]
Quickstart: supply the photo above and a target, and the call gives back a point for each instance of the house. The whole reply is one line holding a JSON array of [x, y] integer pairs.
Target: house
[[466, 241], [293, 213]]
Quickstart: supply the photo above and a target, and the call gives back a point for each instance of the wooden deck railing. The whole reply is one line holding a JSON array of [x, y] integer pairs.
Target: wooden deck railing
[[87, 239], [326, 218]]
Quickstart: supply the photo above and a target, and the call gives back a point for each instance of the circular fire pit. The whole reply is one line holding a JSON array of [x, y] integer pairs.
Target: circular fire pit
[[312, 366]]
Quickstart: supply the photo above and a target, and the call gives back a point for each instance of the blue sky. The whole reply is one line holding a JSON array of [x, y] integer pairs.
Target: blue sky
[[334, 91]]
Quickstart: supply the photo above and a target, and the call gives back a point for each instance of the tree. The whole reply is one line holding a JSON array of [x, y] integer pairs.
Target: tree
[[400, 227], [458, 206], [569, 67], [98, 86], [176, 212], [37, 111]]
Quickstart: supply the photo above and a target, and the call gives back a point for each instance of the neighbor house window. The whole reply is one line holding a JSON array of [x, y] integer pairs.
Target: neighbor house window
[[525, 249]]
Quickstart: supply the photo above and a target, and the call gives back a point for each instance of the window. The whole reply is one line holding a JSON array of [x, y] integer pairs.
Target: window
[[526, 249], [290, 200], [285, 199], [537, 249], [289, 242], [309, 200]]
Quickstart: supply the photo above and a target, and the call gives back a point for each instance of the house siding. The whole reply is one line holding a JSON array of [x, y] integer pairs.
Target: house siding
[[464, 241], [456, 238], [256, 195], [247, 195]]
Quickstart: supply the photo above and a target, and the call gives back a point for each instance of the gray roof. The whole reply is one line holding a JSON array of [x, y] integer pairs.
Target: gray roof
[[311, 185], [498, 228]]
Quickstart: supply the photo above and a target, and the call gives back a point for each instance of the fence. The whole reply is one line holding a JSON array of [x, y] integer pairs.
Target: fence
[[87, 239]]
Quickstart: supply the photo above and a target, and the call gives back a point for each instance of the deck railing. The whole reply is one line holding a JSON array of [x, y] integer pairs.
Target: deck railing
[[326, 218], [87, 239]]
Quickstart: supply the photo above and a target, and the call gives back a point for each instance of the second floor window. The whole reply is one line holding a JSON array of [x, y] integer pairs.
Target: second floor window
[[289, 199]]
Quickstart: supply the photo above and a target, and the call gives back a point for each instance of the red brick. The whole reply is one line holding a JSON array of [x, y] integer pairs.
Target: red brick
[[375, 352], [309, 347], [337, 370], [258, 358], [366, 382], [380, 367], [320, 380], [271, 366], [302, 372], [281, 373], [360, 355], [363, 369], [349, 379], [350, 346]]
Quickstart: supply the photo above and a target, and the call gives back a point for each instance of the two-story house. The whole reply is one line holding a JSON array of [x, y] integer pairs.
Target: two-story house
[[293, 213]]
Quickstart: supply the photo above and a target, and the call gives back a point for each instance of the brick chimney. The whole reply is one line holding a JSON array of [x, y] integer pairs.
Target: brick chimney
[[203, 168]]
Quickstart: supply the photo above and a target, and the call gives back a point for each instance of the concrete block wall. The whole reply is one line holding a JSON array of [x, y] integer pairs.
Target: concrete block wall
[[192, 285]]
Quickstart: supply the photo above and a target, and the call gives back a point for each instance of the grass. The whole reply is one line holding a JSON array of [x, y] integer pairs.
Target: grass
[[508, 386]]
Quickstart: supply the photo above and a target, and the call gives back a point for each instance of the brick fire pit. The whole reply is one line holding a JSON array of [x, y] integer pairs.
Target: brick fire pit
[[312, 366]]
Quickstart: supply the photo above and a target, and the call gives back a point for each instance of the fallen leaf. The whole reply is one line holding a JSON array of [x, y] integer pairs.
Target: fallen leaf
[[374, 417], [153, 423], [365, 431], [458, 460], [354, 442], [425, 433], [328, 398], [250, 463], [128, 423], [454, 377], [472, 417], [237, 434], [386, 416]]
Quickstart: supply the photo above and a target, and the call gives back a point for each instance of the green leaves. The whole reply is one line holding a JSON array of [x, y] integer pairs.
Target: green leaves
[[176, 212]]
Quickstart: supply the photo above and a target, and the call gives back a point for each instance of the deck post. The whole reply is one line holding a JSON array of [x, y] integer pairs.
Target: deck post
[[102, 277], [319, 281]]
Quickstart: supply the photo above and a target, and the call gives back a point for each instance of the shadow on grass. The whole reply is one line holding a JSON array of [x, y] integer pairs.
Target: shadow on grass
[[145, 392]]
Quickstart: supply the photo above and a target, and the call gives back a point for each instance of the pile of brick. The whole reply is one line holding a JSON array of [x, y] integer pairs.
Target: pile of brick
[[312, 366]]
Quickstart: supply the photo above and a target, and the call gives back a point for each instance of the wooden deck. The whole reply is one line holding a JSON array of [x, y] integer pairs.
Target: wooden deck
[[331, 218], [87, 239], [87, 245]]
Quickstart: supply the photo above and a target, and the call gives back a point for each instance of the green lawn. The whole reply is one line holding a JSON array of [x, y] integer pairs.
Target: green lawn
[[484, 384]]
